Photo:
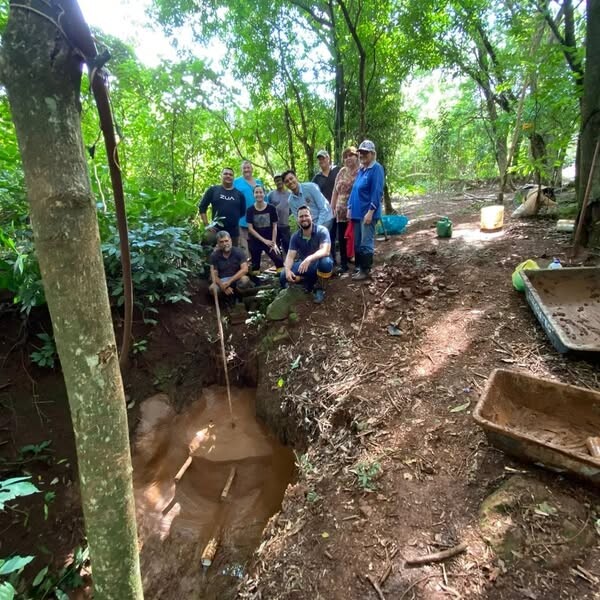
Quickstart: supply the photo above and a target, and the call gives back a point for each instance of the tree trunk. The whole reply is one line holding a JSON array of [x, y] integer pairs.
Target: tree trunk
[[590, 128], [538, 152], [362, 66], [339, 129], [290, 138], [339, 94], [498, 137], [42, 75]]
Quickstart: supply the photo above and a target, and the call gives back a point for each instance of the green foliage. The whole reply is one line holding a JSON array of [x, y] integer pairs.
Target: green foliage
[[15, 563], [312, 497], [163, 258], [303, 464], [34, 449], [366, 475], [47, 583], [15, 487], [45, 355], [140, 346], [19, 269], [264, 298], [7, 591]]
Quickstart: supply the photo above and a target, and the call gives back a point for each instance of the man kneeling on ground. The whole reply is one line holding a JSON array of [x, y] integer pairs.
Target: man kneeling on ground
[[228, 268], [308, 258]]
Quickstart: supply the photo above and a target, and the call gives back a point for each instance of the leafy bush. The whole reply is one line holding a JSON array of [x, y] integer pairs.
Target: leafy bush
[[45, 355], [19, 269], [15, 209], [163, 258], [145, 205]]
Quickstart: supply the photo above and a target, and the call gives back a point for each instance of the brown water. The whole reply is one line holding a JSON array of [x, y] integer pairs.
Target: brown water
[[176, 521]]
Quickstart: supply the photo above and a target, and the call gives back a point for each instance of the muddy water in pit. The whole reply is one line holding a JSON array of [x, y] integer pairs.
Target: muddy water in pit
[[175, 522]]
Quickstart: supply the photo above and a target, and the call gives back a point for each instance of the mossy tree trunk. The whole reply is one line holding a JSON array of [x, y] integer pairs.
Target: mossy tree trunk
[[42, 75]]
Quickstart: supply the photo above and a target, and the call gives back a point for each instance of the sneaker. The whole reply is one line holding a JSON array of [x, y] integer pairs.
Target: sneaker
[[319, 296], [361, 276]]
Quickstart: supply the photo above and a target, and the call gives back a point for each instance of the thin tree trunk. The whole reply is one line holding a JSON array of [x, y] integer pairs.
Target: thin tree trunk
[[590, 128], [290, 138], [42, 75], [362, 62], [339, 95]]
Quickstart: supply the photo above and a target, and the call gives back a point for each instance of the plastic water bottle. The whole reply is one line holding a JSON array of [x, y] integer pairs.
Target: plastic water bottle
[[555, 264]]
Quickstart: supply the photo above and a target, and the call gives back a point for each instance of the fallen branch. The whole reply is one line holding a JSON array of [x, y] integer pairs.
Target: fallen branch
[[386, 574], [436, 556], [431, 576], [375, 585]]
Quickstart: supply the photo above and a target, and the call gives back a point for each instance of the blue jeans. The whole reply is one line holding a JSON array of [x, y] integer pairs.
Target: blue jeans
[[322, 268], [364, 237]]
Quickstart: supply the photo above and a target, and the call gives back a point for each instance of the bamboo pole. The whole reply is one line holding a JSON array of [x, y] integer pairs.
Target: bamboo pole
[[223, 355], [210, 550]]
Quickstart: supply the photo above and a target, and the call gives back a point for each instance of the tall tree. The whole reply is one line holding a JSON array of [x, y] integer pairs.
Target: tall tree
[[42, 74], [590, 127]]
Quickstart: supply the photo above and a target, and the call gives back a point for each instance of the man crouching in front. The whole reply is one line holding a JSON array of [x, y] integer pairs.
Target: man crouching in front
[[228, 268], [308, 259]]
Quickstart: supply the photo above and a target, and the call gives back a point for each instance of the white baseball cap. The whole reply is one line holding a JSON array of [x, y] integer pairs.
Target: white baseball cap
[[367, 146]]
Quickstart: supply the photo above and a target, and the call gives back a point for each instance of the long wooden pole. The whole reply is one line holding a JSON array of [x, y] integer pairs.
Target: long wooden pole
[[223, 355], [586, 197]]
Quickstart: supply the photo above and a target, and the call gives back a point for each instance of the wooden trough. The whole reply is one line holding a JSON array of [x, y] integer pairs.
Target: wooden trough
[[566, 302], [539, 420]]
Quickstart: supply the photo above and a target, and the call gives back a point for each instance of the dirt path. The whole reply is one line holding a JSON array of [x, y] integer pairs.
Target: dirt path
[[393, 465], [396, 467]]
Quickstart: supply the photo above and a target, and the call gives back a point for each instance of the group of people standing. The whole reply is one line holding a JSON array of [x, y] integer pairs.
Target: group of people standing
[[342, 203]]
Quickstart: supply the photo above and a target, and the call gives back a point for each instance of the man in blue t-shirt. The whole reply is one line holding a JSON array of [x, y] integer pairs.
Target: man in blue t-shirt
[[246, 184], [308, 259]]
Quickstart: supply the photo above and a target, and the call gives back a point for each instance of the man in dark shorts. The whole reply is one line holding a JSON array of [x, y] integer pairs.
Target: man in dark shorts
[[228, 268], [228, 205], [308, 259]]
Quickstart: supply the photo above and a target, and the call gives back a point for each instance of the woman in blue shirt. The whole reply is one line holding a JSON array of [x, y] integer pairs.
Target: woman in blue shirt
[[364, 208]]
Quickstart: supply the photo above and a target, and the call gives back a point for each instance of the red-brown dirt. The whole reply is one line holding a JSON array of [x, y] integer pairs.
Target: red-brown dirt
[[361, 405]]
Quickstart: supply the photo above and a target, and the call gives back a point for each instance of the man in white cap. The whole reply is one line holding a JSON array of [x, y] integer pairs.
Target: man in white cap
[[364, 207]]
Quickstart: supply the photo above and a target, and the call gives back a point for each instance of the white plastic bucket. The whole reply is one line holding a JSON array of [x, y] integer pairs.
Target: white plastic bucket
[[492, 218]]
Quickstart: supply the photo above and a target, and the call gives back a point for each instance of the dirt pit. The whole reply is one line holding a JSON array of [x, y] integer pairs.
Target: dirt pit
[[176, 521]]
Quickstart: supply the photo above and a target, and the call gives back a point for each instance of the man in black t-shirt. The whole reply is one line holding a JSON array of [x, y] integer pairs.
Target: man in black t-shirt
[[325, 178], [228, 267], [228, 205]]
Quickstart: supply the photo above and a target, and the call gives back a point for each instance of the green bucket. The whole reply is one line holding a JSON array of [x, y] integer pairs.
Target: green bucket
[[444, 227]]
